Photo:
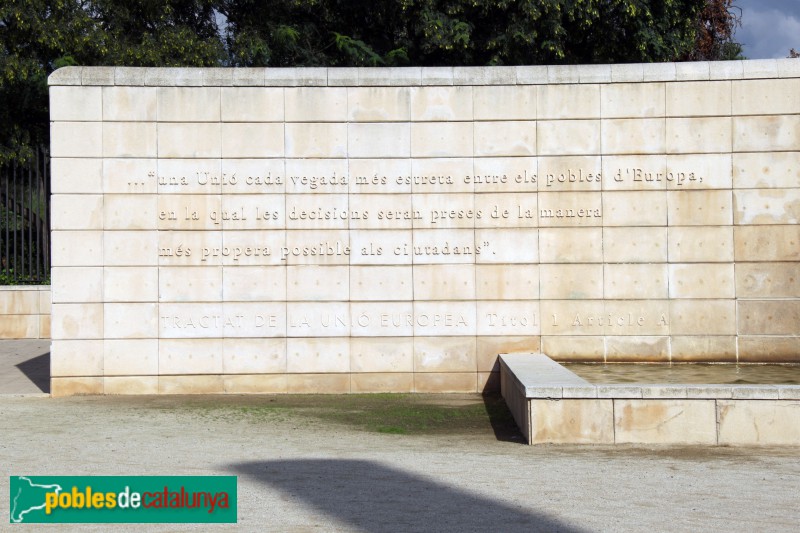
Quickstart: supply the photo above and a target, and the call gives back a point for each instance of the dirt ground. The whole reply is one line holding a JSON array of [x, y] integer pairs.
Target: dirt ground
[[394, 463]]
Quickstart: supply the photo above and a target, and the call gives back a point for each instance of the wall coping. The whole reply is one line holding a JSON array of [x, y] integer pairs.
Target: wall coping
[[426, 76], [523, 367]]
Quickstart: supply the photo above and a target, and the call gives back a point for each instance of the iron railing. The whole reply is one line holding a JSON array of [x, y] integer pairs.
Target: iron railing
[[25, 221]]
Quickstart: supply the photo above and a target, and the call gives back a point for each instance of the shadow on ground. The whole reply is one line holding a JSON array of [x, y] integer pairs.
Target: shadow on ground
[[373, 497], [37, 369]]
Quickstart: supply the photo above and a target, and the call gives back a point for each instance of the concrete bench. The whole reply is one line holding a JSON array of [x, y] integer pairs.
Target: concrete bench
[[553, 405]]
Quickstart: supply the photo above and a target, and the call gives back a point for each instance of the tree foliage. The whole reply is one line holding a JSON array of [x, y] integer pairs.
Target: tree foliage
[[38, 36]]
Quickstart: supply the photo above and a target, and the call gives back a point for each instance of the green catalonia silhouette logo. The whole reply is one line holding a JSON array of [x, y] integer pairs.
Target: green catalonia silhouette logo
[[122, 499]]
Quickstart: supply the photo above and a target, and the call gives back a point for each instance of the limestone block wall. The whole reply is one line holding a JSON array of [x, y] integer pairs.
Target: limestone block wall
[[25, 312], [335, 230]]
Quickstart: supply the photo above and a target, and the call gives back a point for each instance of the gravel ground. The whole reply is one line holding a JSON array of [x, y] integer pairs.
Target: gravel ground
[[300, 471]]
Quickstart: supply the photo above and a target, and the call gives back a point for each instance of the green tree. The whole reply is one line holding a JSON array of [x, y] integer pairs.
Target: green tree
[[38, 36]]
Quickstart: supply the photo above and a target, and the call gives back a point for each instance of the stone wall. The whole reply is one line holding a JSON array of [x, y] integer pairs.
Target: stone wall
[[25, 312], [335, 230]]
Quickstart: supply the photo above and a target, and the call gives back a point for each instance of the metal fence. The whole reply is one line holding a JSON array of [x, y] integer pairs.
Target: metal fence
[[25, 221]]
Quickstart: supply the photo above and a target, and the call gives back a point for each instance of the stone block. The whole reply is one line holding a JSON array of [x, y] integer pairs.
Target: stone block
[[515, 246], [76, 358], [700, 244], [758, 422], [769, 317], [301, 173], [130, 176], [129, 211], [633, 245], [434, 210], [381, 283], [129, 139], [44, 327], [635, 172], [567, 348], [503, 75], [441, 103], [77, 248], [702, 317], [507, 282], [760, 68], [296, 77], [130, 104], [766, 97], [381, 355], [758, 170], [700, 208], [635, 317], [253, 283], [767, 349], [378, 104], [130, 248], [595, 74], [452, 382], [382, 382], [45, 300], [253, 319], [254, 356], [447, 139], [381, 319], [397, 241], [316, 140], [508, 317], [488, 348], [76, 139], [504, 102], [444, 282], [634, 208], [665, 421], [568, 137], [454, 354], [637, 349], [76, 175], [76, 103], [19, 327], [627, 72], [129, 385], [692, 71], [766, 243], [571, 421], [443, 166], [77, 321], [766, 206], [635, 281], [571, 281], [190, 284], [517, 138], [698, 99], [75, 386], [570, 245], [568, 102], [633, 136], [130, 320], [632, 100], [570, 209], [190, 140], [563, 74], [570, 173], [189, 356], [246, 77], [317, 283], [317, 355], [189, 384], [437, 76], [65, 76], [251, 104], [377, 140], [70, 285], [489, 382], [190, 321], [126, 357], [572, 317], [315, 104], [189, 104], [255, 384], [387, 76], [766, 133], [701, 280], [703, 349], [725, 70], [699, 171], [445, 319], [252, 140], [318, 383], [174, 76], [223, 77], [698, 135]]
